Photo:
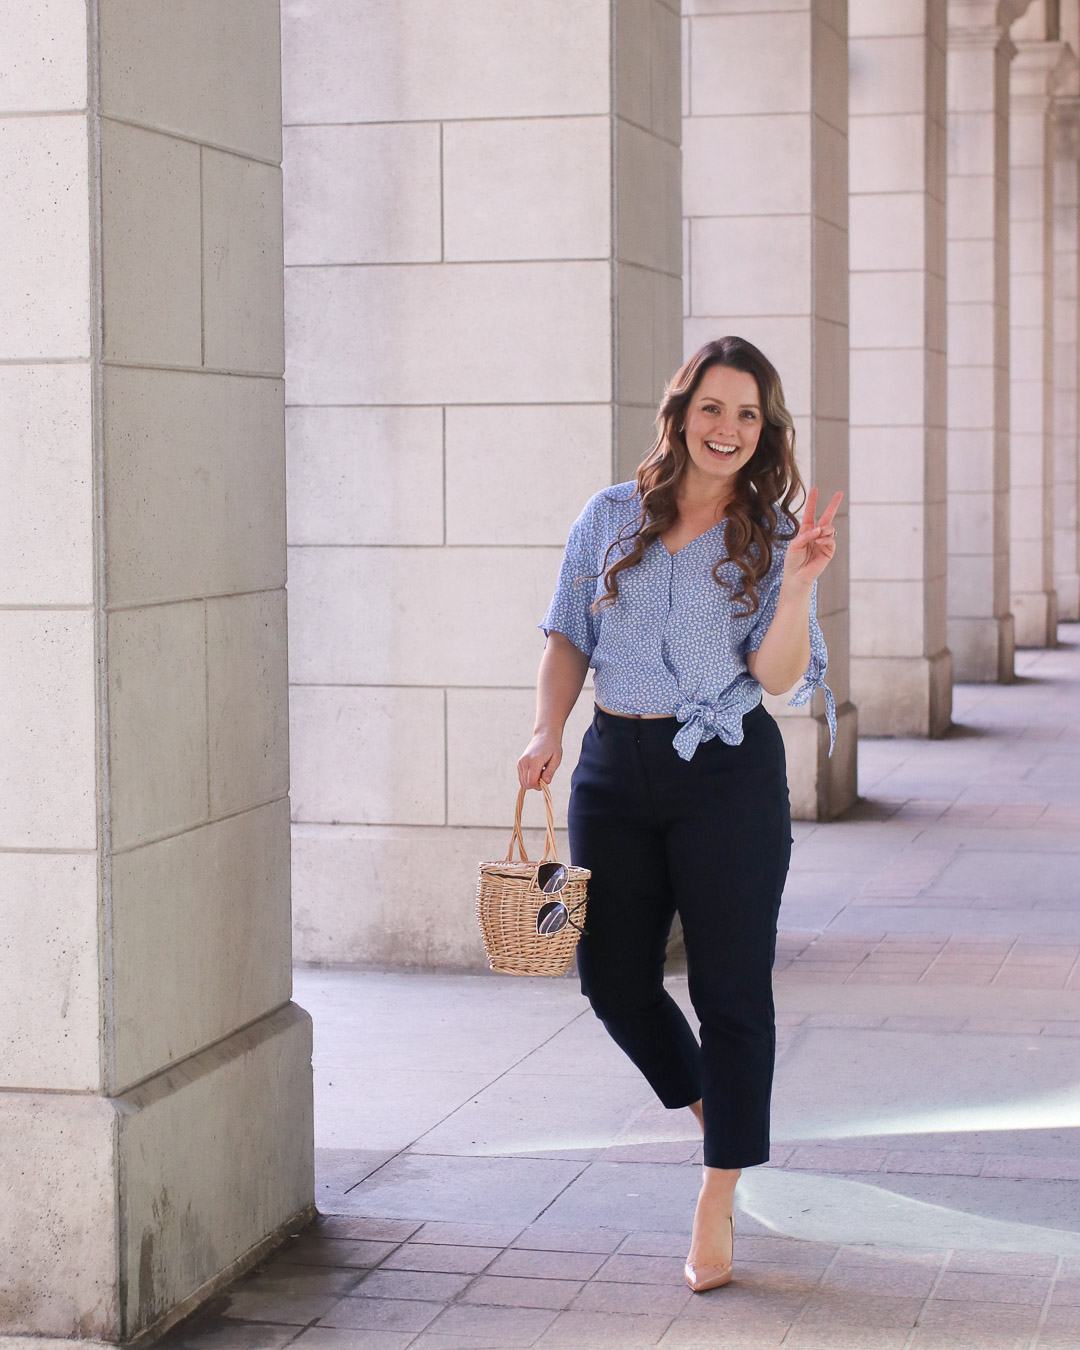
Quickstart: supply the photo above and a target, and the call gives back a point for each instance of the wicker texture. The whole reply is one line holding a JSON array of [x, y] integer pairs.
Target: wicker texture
[[508, 901]]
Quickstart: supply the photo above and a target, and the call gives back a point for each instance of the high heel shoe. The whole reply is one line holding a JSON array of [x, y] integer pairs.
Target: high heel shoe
[[700, 1278]]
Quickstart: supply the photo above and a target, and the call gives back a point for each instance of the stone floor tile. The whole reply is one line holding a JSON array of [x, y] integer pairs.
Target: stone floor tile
[[381, 1314], [1023, 1166], [1060, 1330], [210, 1332], [325, 1251], [540, 1238], [334, 1338], [447, 1259], [1061, 1028], [484, 1191], [337, 1170], [1003, 1026], [856, 1337], [861, 976], [839, 1305], [959, 974], [783, 1253], [952, 1164], [597, 1331], [837, 1158], [892, 1278], [899, 1022], [1066, 1291], [1029, 978], [1002, 1263], [627, 1269], [679, 1151], [778, 1156], [970, 1338], [548, 1265], [762, 1335], [432, 1286], [861, 1021], [656, 1244], [507, 1291], [373, 1230], [880, 1255], [296, 1297], [752, 1280], [502, 1328], [958, 1286], [431, 1340], [609, 1297], [467, 1234], [629, 1196]]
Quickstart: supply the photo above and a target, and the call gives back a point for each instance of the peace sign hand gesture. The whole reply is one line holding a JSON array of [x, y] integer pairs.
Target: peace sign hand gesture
[[812, 549]]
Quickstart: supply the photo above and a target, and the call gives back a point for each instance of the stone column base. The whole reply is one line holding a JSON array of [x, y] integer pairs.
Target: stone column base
[[983, 650], [1067, 589], [903, 696], [1035, 613], [820, 787], [130, 1211]]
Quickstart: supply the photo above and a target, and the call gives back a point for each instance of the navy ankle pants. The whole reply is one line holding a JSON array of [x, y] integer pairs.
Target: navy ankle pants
[[710, 839]]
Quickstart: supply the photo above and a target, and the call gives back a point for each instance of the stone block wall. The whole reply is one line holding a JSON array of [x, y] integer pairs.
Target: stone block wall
[[475, 346]]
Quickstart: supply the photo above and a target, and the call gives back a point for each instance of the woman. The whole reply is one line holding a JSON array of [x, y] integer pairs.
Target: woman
[[690, 590]]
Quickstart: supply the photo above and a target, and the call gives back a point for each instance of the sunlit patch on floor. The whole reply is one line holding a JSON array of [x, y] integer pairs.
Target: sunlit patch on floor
[[835, 1210], [1058, 1110]]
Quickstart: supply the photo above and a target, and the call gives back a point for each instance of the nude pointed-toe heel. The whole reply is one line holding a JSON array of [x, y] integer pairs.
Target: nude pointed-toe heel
[[700, 1278]]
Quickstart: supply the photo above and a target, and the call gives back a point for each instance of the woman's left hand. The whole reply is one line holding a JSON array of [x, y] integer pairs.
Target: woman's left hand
[[812, 549]]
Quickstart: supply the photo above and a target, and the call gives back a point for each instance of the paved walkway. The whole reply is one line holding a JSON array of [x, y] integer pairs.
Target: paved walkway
[[492, 1173]]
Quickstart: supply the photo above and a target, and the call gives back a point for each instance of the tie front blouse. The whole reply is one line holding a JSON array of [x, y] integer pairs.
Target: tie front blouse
[[674, 642]]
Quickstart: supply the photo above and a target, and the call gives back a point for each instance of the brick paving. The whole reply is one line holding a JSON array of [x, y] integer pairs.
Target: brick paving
[[491, 1174]]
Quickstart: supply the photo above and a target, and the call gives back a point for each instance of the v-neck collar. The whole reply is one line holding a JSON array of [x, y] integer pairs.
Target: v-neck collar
[[689, 542]]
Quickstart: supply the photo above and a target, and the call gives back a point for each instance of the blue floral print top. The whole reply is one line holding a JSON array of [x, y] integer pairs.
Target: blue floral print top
[[674, 641]]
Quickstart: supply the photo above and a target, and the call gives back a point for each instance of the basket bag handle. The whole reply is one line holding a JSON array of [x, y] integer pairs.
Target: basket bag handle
[[518, 838]]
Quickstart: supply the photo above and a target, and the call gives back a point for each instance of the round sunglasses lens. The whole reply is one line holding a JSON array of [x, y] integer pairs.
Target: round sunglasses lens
[[551, 877], [552, 918]]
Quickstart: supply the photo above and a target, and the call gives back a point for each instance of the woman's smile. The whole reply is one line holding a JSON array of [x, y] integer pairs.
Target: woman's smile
[[722, 450]]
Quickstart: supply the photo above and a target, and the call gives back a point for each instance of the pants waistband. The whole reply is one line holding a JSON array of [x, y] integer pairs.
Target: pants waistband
[[635, 726], [659, 727]]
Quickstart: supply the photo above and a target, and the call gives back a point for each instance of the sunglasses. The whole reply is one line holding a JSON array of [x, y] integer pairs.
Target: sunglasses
[[553, 916]]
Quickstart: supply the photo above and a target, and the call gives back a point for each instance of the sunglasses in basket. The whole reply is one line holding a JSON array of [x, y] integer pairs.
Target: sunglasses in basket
[[553, 916]]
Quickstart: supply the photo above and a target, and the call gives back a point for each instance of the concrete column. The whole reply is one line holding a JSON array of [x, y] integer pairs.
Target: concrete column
[[1066, 427], [1037, 69], [477, 343], [155, 1112], [765, 200], [980, 623], [901, 668]]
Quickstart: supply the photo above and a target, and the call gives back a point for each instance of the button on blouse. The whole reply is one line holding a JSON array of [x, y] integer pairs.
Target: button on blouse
[[674, 642]]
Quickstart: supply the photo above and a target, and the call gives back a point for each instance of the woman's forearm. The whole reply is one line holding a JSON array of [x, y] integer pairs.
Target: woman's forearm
[[785, 652], [563, 668]]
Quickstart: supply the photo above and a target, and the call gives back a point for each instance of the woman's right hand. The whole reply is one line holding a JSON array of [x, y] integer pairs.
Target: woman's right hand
[[542, 757]]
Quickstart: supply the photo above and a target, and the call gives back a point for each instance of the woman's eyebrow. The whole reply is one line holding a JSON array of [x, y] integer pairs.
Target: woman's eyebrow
[[709, 399]]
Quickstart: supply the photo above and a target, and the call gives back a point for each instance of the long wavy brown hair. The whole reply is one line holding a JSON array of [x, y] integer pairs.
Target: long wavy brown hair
[[765, 488]]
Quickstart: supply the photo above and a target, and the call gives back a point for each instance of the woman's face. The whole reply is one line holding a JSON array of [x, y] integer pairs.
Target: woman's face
[[723, 423]]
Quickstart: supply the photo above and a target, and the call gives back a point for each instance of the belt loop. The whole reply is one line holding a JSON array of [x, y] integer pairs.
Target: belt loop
[[598, 720]]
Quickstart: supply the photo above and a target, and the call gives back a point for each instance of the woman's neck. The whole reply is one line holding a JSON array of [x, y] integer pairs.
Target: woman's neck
[[703, 501]]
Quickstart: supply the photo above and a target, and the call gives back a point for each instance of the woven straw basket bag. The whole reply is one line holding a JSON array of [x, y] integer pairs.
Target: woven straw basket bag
[[508, 901]]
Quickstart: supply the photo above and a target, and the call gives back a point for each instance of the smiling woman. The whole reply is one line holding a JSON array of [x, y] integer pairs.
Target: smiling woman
[[689, 591]]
